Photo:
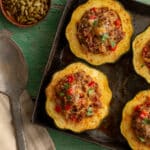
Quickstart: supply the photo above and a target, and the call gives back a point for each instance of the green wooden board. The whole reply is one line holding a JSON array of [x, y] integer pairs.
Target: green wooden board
[[147, 2], [64, 142], [35, 43]]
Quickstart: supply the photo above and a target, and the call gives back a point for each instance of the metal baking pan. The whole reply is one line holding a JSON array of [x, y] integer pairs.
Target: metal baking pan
[[123, 80]]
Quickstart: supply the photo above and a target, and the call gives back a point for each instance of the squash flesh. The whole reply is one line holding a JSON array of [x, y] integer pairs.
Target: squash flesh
[[122, 47], [86, 123], [138, 62], [125, 127]]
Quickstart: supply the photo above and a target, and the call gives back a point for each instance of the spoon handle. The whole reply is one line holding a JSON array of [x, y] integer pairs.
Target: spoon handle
[[18, 123]]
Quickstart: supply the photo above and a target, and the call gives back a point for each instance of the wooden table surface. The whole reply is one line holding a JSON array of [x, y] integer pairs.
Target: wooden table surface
[[35, 43]]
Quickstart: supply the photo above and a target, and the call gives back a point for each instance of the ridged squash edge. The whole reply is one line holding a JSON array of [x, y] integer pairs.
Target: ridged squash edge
[[123, 45], [87, 123], [125, 126], [138, 62]]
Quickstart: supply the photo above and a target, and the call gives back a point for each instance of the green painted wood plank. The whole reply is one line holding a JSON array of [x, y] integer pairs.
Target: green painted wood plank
[[35, 43], [147, 2], [58, 2], [66, 142]]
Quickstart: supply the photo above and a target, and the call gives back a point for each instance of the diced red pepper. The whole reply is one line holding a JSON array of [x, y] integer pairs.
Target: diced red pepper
[[117, 23], [91, 84], [67, 107], [143, 114], [73, 118], [145, 49], [92, 17], [137, 108], [148, 103], [94, 99], [113, 48], [70, 78], [70, 91], [81, 95], [94, 9], [58, 108]]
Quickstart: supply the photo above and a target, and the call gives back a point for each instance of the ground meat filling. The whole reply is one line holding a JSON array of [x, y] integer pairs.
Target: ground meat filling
[[141, 122], [77, 96], [99, 30], [146, 54]]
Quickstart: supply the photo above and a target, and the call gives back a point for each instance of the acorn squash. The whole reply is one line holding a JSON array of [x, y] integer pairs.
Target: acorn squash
[[111, 51], [138, 61], [126, 129], [87, 122]]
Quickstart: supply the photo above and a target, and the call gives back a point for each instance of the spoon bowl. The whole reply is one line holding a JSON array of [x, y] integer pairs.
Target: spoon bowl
[[13, 80]]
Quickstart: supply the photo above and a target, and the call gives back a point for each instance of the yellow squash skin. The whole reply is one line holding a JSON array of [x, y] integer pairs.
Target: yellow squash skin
[[122, 47], [138, 62], [126, 130], [89, 122]]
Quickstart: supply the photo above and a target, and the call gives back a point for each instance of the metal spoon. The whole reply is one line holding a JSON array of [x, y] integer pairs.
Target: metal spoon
[[13, 79]]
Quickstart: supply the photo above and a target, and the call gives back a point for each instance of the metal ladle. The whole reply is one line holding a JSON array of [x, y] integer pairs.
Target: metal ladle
[[13, 79]]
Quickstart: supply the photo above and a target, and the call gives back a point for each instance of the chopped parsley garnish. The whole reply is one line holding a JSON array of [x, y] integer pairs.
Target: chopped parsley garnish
[[142, 65], [61, 94], [89, 111], [95, 23], [66, 86], [146, 121], [104, 37], [113, 44], [90, 91], [141, 139], [68, 97]]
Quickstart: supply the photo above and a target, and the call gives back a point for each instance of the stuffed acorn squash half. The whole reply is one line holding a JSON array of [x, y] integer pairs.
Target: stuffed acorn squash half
[[135, 125], [78, 98], [99, 31], [141, 54]]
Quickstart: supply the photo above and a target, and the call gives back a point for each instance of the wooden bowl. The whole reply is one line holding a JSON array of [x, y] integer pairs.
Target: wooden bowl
[[9, 16]]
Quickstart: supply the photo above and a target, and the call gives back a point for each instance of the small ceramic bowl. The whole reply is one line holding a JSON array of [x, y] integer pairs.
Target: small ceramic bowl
[[26, 14]]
